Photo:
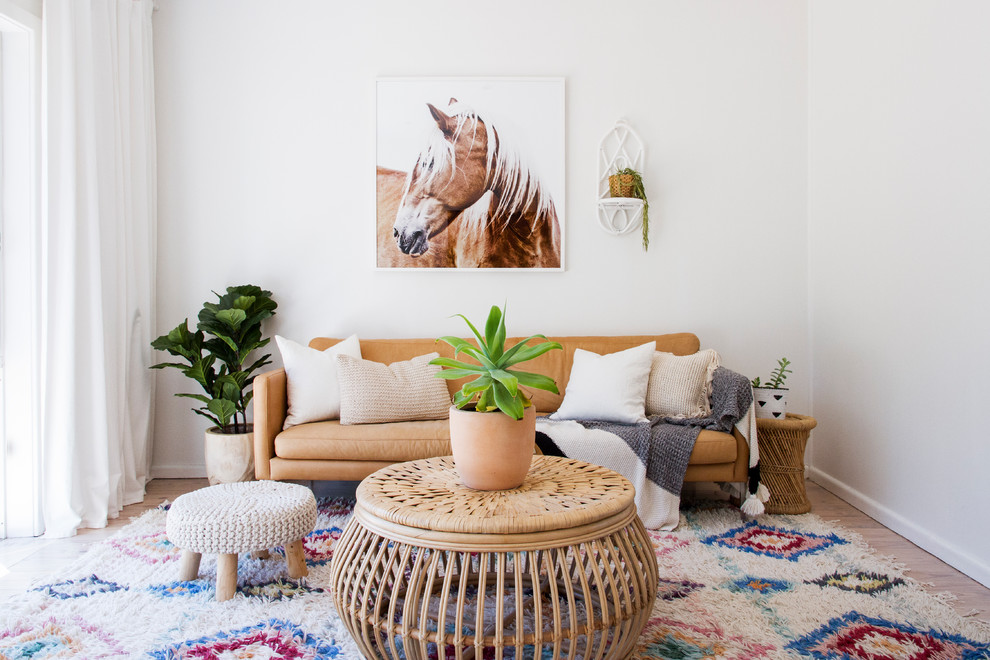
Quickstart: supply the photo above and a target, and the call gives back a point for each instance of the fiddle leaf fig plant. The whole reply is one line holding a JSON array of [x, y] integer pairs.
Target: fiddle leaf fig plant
[[216, 356], [495, 387]]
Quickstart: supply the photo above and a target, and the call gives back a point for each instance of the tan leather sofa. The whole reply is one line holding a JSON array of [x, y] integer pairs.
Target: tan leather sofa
[[335, 452]]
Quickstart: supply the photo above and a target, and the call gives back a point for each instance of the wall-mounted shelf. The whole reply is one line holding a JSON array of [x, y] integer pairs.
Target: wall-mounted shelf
[[621, 147]]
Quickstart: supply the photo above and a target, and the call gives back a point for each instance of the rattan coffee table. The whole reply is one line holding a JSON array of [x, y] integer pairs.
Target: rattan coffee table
[[427, 566]]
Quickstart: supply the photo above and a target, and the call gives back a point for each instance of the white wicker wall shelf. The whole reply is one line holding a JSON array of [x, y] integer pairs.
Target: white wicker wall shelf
[[621, 147]]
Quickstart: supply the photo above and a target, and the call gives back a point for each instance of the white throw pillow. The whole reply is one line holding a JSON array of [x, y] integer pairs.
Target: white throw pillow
[[311, 379], [681, 385], [372, 392], [608, 388]]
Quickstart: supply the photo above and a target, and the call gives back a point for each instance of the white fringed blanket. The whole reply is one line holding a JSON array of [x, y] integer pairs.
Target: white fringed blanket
[[654, 455]]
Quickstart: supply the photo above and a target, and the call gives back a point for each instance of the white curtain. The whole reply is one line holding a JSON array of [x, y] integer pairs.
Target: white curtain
[[98, 265]]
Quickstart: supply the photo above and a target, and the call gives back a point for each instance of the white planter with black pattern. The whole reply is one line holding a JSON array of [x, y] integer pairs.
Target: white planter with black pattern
[[770, 403]]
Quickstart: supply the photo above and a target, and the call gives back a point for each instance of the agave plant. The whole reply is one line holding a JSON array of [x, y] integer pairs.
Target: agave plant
[[216, 355], [495, 386]]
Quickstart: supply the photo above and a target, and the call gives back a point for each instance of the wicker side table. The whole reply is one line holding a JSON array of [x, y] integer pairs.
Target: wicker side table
[[782, 444], [428, 567]]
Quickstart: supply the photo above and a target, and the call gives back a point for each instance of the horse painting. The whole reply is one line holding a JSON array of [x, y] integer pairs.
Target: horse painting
[[470, 202]]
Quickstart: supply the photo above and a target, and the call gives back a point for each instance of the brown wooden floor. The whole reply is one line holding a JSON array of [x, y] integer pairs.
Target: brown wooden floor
[[25, 561]]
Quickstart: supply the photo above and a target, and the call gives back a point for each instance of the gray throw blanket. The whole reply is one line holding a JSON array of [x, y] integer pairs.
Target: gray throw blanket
[[653, 455]]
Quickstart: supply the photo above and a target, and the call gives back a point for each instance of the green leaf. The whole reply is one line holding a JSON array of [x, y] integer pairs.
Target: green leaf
[[223, 409], [230, 388], [213, 418], [515, 349], [455, 364], [456, 343], [538, 381], [229, 341], [530, 352], [199, 397], [461, 400], [201, 371], [486, 402], [162, 365], [481, 340], [231, 317], [507, 403], [498, 348], [482, 358], [479, 384], [508, 381], [491, 325], [243, 303], [261, 362], [454, 374]]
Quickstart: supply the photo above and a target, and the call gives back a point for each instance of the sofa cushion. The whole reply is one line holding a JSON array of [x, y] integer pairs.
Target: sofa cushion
[[714, 447], [681, 385], [394, 442], [374, 393], [410, 441], [609, 388], [312, 387]]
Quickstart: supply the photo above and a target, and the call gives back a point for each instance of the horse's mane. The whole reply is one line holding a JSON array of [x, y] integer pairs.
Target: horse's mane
[[503, 167]]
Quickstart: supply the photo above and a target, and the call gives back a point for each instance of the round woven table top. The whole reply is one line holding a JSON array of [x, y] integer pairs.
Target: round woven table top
[[558, 493], [791, 422]]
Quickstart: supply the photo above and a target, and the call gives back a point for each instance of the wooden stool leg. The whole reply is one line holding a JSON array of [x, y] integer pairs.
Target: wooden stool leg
[[226, 576], [260, 554], [189, 565], [296, 559]]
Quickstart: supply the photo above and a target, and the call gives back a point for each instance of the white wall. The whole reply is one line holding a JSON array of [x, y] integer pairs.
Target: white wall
[[899, 274], [266, 153]]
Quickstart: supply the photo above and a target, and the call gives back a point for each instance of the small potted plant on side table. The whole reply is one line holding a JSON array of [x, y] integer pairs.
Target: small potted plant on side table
[[782, 438], [216, 357], [492, 421], [771, 397]]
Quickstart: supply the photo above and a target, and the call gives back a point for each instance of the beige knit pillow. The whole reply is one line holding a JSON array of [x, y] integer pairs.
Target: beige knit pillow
[[681, 385], [372, 392]]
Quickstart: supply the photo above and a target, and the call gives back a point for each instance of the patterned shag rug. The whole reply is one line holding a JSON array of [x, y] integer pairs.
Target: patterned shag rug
[[774, 587]]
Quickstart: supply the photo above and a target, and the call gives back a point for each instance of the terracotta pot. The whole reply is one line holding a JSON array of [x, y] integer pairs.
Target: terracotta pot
[[229, 456], [492, 451], [770, 403]]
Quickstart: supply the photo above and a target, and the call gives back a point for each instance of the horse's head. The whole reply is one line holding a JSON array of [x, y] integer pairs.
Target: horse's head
[[450, 175]]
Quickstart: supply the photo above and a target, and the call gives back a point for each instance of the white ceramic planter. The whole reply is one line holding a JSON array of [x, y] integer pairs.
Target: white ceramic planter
[[229, 456], [492, 451], [770, 403]]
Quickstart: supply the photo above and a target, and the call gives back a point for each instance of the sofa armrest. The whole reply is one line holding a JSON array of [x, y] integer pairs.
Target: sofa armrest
[[270, 408]]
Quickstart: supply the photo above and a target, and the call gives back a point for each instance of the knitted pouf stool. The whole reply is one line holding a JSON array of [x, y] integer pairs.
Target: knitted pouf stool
[[249, 516]]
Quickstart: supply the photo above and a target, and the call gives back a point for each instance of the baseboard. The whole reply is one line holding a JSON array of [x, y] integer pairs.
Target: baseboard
[[962, 561], [178, 471]]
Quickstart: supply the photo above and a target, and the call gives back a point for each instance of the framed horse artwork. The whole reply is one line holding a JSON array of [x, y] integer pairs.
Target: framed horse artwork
[[470, 173]]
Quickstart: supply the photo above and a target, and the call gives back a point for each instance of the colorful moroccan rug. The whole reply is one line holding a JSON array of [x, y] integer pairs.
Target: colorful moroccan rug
[[775, 587]]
